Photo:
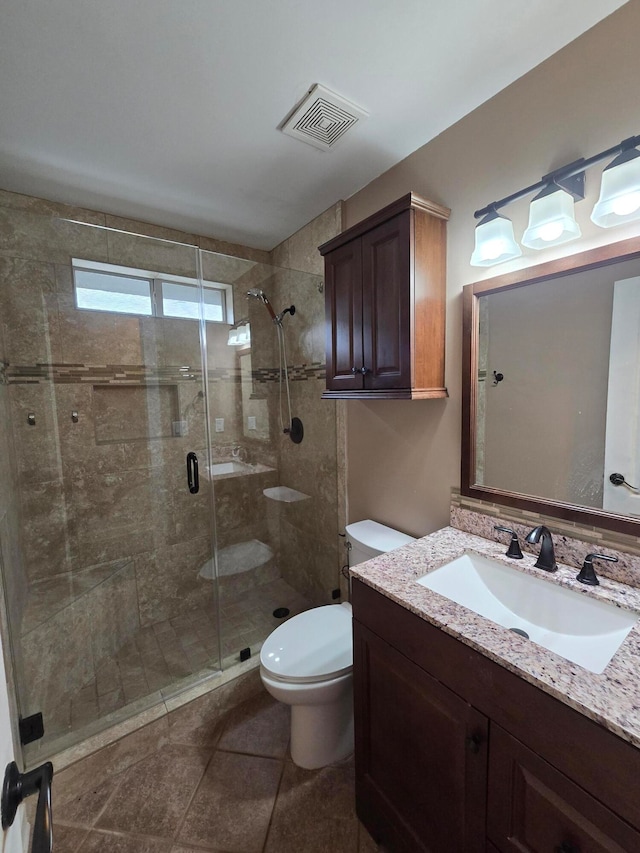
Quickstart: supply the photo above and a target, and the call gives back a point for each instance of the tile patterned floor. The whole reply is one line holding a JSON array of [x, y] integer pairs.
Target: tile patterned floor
[[214, 775], [162, 654]]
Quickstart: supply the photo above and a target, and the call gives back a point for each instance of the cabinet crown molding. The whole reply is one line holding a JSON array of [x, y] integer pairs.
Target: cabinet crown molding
[[410, 200]]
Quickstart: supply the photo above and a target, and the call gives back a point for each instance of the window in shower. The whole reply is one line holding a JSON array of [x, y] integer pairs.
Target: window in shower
[[107, 287], [106, 291], [183, 300]]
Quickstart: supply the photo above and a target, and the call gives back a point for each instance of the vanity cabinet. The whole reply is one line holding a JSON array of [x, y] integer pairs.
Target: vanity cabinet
[[533, 807], [422, 752], [385, 304], [456, 753]]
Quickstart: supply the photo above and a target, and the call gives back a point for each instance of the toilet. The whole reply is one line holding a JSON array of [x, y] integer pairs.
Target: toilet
[[307, 662]]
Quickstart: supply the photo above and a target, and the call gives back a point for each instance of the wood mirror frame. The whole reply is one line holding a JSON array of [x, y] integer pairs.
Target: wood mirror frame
[[624, 250]]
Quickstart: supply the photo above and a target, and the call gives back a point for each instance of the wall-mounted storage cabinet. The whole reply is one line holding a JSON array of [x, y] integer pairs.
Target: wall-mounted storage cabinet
[[385, 290]]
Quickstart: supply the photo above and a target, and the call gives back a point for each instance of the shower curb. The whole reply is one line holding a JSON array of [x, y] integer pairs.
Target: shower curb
[[110, 735]]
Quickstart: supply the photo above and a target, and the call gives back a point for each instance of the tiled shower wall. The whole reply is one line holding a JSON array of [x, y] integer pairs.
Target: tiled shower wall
[[110, 541], [103, 519], [15, 588], [312, 550]]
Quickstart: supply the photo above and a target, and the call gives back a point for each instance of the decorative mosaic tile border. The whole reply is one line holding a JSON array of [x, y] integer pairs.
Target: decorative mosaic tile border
[[297, 372], [572, 541], [134, 374], [102, 374]]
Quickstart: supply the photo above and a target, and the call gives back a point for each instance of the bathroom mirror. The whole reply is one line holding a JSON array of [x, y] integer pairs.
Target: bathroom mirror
[[551, 388]]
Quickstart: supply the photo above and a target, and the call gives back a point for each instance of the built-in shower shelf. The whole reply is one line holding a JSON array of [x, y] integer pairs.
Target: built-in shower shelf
[[50, 596], [284, 494], [238, 558], [233, 468]]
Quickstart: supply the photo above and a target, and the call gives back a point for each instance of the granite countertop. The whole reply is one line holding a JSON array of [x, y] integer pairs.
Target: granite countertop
[[611, 698]]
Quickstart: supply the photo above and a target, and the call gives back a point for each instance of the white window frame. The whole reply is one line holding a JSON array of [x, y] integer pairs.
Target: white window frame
[[155, 280]]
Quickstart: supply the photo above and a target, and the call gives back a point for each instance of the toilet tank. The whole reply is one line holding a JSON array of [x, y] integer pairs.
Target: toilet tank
[[369, 539]]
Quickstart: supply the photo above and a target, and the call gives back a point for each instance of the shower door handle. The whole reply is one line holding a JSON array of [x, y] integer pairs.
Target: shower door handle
[[193, 480]]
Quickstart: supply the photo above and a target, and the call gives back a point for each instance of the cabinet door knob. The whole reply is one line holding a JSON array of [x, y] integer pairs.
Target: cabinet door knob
[[354, 370], [474, 743], [364, 370]]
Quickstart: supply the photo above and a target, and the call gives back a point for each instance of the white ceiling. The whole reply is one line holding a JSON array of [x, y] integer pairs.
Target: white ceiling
[[167, 110]]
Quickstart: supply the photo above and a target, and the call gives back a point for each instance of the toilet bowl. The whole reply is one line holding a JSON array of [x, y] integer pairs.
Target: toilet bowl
[[307, 663]]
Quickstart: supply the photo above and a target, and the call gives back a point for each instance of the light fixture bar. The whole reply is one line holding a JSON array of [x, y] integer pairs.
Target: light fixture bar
[[563, 177]]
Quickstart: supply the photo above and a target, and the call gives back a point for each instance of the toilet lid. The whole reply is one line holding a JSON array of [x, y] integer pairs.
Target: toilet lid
[[313, 646]]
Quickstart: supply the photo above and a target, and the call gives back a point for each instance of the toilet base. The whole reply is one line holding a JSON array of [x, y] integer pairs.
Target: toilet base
[[321, 734], [321, 718]]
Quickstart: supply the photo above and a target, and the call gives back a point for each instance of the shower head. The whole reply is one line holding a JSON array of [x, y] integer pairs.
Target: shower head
[[256, 293]]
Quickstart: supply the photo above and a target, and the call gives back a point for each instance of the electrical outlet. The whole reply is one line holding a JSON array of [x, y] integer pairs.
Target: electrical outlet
[[251, 422], [219, 424], [179, 428]]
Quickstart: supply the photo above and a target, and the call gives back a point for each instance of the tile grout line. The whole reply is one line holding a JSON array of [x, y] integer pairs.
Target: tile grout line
[[101, 811], [275, 799], [181, 823], [121, 774], [139, 836], [82, 840]]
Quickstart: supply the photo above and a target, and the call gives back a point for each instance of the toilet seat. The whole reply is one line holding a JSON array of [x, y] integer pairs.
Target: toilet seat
[[313, 646]]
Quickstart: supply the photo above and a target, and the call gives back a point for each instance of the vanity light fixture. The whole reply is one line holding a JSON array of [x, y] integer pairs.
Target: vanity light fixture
[[620, 190], [495, 241], [239, 334], [551, 217]]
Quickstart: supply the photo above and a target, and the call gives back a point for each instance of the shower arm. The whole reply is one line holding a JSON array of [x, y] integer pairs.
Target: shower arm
[[290, 310]]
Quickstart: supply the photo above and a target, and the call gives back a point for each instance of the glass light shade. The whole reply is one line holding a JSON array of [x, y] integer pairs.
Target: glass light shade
[[551, 219], [239, 336], [619, 191], [244, 334], [495, 241]]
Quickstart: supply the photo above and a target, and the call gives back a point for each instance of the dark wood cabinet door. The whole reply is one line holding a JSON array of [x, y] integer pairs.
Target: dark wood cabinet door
[[533, 808], [343, 307], [421, 755], [386, 303]]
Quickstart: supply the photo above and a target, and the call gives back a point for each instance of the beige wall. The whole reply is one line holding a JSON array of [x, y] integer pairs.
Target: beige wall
[[404, 457]]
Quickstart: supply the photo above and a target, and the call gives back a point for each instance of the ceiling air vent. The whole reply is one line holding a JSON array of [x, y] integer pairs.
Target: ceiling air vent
[[323, 118]]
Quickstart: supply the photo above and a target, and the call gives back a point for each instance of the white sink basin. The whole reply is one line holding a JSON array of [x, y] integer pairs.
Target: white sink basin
[[581, 629]]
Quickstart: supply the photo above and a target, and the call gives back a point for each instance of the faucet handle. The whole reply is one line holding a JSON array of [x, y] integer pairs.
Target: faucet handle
[[587, 572], [514, 551]]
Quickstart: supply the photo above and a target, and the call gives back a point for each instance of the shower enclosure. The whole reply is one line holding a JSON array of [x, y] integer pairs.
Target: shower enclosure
[[147, 491]]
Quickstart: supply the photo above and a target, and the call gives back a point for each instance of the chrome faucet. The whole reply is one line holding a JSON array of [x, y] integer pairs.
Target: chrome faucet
[[547, 557]]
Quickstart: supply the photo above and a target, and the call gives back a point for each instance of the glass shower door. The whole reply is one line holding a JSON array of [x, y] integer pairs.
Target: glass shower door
[[107, 544]]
